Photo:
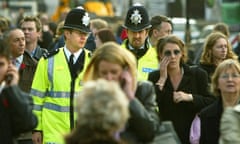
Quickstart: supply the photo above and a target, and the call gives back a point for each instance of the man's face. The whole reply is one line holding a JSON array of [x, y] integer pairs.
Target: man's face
[[17, 42], [137, 39], [75, 39], [3, 68], [30, 31], [165, 30]]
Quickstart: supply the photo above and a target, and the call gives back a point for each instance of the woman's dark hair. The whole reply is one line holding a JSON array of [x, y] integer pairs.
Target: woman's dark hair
[[106, 35]]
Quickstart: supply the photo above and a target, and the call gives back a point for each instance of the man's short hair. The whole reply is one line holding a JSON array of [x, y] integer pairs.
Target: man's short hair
[[34, 19], [156, 21]]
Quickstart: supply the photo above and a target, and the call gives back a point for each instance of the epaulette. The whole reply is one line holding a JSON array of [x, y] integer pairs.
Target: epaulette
[[50, 54], [90, 54]]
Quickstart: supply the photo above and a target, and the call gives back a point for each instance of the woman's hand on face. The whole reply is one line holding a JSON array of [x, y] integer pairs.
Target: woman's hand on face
[[163, 67], [127, 84], [182, 96], [163, 72]]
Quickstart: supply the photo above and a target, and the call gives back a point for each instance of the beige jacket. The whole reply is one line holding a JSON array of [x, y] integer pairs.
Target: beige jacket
[[230, 126]]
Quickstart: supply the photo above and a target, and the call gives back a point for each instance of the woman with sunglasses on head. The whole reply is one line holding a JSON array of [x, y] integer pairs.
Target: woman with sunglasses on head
[[216, 49], [182, 91], [225, 86]]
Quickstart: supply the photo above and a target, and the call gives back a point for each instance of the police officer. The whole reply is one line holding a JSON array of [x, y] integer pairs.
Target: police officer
[[137, 25], [57, 80]]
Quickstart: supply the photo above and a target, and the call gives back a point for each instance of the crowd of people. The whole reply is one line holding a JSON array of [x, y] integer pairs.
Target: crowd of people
[[75, 82]]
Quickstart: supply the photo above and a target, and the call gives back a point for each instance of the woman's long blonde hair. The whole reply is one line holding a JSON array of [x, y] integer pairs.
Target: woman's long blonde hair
[[114, 53]]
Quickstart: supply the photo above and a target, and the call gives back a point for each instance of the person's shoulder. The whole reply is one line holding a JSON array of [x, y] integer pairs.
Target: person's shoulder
[[88, 52], [50, 54], [144, 83], [144, 86], [196, 70], [154, 72], [43, 50], [211, 110], [154, 75]]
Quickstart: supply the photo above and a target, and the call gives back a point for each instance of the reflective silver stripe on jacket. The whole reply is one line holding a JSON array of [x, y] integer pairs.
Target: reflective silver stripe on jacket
[[55, 107], [37, 107], [50, 70], [37, 93], [55, 94]]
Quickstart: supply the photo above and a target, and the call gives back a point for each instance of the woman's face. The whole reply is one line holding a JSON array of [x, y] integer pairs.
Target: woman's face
[[229, 81], [173, 53], [110, 71], [219, 50]]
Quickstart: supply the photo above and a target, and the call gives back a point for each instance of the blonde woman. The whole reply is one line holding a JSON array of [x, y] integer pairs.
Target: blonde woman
[[114, 63], [225, 86]]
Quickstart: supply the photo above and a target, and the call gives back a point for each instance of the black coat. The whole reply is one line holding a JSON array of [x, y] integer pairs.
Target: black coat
[[15, 114], [209, 68], [210, 122], [181, 114]]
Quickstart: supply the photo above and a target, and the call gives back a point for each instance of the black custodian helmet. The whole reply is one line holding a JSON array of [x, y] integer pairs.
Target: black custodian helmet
[[137, 18], [77, 19]]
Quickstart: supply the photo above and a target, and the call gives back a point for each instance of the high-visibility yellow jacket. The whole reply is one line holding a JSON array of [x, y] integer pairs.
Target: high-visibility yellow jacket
[[147, 63], [51, 96]]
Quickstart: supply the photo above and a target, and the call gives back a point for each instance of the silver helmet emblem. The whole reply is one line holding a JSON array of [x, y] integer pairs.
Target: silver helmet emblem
[[136, 17], [85, 19]]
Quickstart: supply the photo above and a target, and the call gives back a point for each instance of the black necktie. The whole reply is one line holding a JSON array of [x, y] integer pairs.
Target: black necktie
[[71, 62]]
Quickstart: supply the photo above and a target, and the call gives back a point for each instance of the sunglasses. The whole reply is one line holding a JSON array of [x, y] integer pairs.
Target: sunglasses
[[169, 53]]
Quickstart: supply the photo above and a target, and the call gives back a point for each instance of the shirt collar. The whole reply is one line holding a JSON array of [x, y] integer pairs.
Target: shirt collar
[[18, 61], [68, 54], [33, 52], [2, 85]]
